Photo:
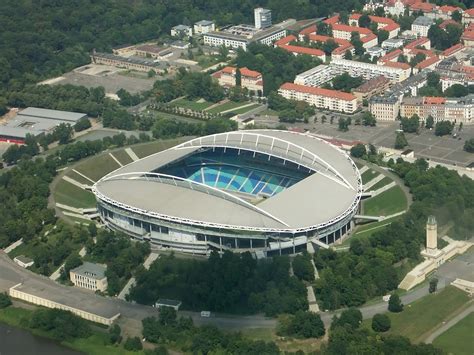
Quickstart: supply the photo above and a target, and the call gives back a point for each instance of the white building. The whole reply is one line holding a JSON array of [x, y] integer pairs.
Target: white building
[[181, 31], [384, 108], [321, 98], [396, 8], [375, 52], [421, 25], [369, 71], [204, 26], [23, 261], [316, 76], [90, 276], [241, 36], [263, 18], [392, 43]]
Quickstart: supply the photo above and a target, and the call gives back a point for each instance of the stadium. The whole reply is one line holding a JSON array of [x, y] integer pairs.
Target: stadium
[[265, 191]]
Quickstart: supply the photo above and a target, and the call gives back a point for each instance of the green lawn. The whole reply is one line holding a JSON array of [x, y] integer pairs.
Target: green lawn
[[359, 165], [240, 111], [369, 175], [122, 156], [368, 229], [268, 112], [97, 166], [79, 178], [71, 195], [95, 344], [385, 181], [227, 106], [459, 338], [143, 150], [421, 317], [205, 61], [388, 202], [192, 105]]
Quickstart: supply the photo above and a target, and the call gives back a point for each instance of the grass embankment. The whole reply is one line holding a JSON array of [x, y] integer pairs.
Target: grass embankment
[[420, 318], [196, 105], [122, 156], [368, 175], [145, 149], [459, 338], [385, 181], [72, 195], [97, 166], [230, 105], [388, 202], [96, 344]]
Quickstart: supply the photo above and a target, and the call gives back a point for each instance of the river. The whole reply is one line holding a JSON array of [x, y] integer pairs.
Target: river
[[14, 341]]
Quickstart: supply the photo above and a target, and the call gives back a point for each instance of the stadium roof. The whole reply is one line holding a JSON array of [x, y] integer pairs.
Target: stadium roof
[[322, 198]]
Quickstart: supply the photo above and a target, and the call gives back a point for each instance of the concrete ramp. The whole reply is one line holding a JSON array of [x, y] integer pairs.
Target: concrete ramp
[[373, 181], [132, 154]]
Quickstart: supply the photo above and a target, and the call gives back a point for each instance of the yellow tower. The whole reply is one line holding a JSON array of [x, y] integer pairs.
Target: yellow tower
[[431, 234]]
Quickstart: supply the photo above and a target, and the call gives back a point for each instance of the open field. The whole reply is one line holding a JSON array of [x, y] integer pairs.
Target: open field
[[79, 178], [388, 202], [97, 166], [459, 338], [71, 195], [227, 106], [421, 317], [240, 111], [369, 175], [385, 181], [192, 105]]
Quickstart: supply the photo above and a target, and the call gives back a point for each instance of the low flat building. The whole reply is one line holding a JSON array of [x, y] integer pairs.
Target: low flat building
[[384, 108], [23, 261], [163, 302], [130, 63], [152, 51], [181, 31], [321, 98], [372, 87], [375, 52], [204, 26], [392, 43], [89, 276]]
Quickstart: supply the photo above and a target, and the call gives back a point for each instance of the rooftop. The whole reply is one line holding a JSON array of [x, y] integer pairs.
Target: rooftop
[[94, 271], [52, 114], [319, 91], [204, 23], [423, 21], [372, 84]]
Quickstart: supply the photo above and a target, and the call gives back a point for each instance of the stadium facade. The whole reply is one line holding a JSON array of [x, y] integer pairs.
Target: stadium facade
[[265, 191]]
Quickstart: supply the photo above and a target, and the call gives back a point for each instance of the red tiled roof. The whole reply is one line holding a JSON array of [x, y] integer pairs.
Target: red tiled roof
[[417, 42], [469, 12], [303, 50], [445, 23], [432, 100], [285, 40], [228, 70], [369, 37], [318, 91], [308, 30], [250, 73], [397, 65], [423, 6], [332, 20], [453, 49], [447, 8], [393, 55], [347, 28], [427, 62], [426, 52], [318, 38], [468, 35], [391, 27]]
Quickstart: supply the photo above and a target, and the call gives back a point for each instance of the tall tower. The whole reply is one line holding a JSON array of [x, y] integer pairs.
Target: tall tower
[[431, 234], [263, 18]]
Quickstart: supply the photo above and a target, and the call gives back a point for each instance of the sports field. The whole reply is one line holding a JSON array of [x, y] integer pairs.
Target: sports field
[[459, 338], [421, 317], [388, 202]]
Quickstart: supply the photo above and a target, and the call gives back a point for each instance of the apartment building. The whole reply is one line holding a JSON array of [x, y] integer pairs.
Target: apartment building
[[250, 79], [316, 76], [441, 109], [384, 108], [204, 26], [421, 25], [369, 71], [376, 86], [89, 276], [321, 98]]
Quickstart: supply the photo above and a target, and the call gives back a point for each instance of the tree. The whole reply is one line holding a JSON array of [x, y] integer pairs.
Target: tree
[[395, 305], [358, 151], [382, 35], [432, 79], [429, 122], [381, 322], [303, 324], [364, 21], [5, 300], [351, 317], [443, 128], [324, 29], [302, 267], [348, 55], [63, 133], [167, 315], [114, 333], [238, 78], [368, 119], [343, 124], [82, 124], [456, 16], [410, 125], [456, 90], [400, 141], [433, 284], [133, 344], [469, 145]]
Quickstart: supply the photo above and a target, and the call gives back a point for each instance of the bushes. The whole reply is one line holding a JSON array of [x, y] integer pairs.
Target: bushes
[[5, 300], [303, 324], [133, 344], [395, 305], [381, 323], [302, 267], [62, 325]]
